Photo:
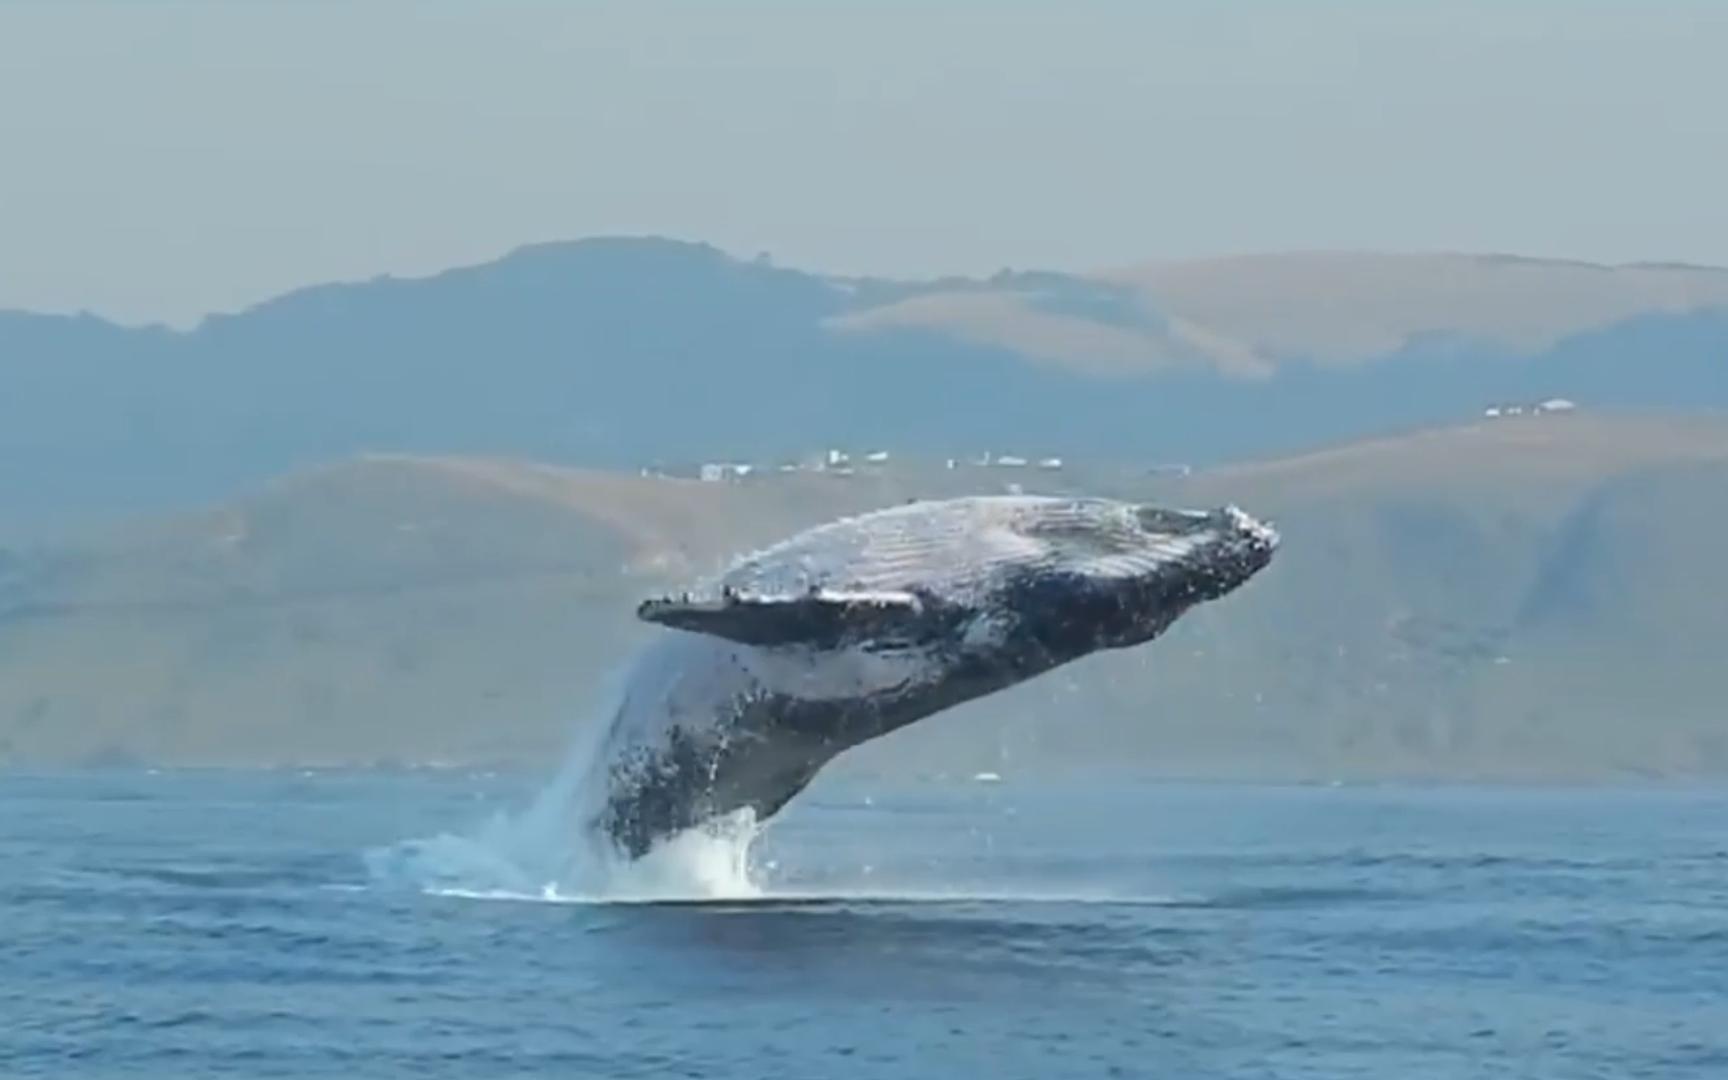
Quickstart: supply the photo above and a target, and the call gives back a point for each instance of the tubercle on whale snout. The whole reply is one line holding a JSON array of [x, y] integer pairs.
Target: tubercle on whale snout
[[1237, 555], [1255, 530]]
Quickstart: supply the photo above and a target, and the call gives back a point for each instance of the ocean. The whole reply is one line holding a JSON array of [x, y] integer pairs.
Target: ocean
[[191, 924]]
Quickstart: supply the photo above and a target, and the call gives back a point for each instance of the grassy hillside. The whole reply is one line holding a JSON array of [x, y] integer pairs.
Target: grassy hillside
[[1512, 598], [1537, 597], [1352, 307]]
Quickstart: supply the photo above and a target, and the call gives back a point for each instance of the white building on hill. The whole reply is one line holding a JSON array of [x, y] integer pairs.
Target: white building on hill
[[714, 472]]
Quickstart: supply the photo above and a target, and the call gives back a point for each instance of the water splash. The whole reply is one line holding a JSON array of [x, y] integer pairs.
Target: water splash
[[545, 852]]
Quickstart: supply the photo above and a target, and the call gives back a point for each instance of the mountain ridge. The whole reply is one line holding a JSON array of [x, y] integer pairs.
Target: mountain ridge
[[620, 351]]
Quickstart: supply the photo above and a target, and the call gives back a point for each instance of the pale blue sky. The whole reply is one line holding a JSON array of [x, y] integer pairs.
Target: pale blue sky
[[162, 160]]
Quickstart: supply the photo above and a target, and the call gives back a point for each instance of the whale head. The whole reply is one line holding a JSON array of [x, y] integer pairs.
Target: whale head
[[1125, 577], [1216, 550], [1026, 582]]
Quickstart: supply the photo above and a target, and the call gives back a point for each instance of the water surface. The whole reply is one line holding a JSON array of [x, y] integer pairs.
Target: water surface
[[229, 924]]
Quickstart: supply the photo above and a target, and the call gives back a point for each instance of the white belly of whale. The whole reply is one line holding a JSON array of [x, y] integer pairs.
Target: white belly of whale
[[697, 682]]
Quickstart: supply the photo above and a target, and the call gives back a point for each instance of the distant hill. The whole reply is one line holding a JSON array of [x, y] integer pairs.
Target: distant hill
[[621, 352], [1537, 597]]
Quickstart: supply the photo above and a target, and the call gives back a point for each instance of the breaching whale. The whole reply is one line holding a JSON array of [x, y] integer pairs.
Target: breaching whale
[[852, 629]]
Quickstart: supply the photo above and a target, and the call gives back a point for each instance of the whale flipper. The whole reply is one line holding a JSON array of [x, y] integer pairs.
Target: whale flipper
[[820, 618]]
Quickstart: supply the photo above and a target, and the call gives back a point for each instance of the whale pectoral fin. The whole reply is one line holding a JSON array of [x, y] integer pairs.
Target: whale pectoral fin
[[817, 618]]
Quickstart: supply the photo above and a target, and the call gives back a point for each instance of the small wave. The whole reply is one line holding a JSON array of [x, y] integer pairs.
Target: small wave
[[219, 878], [1292, 896]]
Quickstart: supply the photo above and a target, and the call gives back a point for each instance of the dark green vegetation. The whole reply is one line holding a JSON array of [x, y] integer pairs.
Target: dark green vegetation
[[1533, 597], [622, 352]]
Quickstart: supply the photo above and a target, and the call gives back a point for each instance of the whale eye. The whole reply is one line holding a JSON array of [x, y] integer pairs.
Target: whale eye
[[1169, 522]]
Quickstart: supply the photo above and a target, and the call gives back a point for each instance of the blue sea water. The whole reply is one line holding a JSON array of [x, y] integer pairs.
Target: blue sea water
[[232, 924]]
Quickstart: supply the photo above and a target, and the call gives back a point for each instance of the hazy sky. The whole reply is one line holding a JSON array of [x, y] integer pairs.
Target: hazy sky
[[158, 161]]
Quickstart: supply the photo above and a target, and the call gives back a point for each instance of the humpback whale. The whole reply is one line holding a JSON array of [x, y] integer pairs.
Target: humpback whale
[[855, 628]]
